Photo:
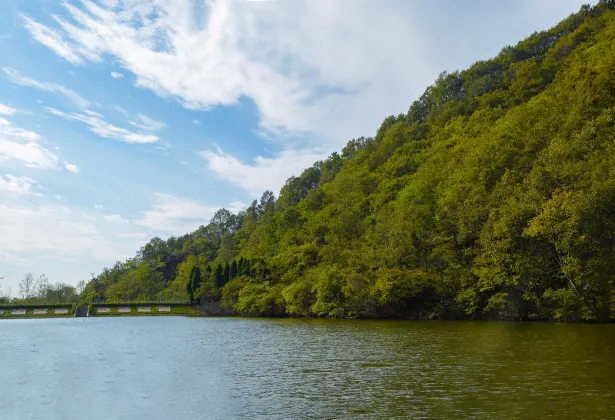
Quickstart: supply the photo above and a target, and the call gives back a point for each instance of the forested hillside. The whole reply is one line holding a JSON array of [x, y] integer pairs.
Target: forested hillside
[[492, 197]]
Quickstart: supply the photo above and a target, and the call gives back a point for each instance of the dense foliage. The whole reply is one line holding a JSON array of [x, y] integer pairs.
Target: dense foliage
[[492, 197]]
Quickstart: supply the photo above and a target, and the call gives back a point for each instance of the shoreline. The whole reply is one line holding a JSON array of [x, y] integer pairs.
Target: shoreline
[[213, 310], [204, 315]]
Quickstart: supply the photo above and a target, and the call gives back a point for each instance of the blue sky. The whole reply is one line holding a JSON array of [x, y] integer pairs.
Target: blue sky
[[124, 120]]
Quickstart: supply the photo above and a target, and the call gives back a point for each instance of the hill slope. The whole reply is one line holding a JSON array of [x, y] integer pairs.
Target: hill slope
[[492, 197]]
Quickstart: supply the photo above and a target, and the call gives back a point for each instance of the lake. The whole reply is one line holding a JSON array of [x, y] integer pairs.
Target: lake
[[226, 368]]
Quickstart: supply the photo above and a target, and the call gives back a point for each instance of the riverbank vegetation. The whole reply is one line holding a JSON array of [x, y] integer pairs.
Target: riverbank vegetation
[[491, 197]]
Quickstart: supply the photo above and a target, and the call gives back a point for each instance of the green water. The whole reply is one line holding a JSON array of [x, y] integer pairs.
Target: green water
[[226, 368]]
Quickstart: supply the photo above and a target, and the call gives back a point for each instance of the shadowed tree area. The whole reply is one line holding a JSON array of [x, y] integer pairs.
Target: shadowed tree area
[[492, 197]]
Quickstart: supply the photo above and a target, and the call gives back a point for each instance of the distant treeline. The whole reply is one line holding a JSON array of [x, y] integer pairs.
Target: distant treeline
[[492, 197], [36, 291]]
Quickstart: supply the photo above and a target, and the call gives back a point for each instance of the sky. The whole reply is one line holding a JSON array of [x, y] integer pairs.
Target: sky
[[121, 120]]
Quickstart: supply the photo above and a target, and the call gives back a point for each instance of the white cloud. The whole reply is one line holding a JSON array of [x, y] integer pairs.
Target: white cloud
[[196, 122], [17, 78], [20, 144], [283, 56], [323, 69], [53, 40], [120, 110], [116, 75], [176, 215], [98, 125], [7, 110], [99, 206], [7, 129], [148, 124], [263, 173], [32, 154], [71, 168], [15, 185]]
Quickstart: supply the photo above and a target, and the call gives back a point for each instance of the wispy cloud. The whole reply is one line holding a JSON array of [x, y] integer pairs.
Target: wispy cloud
[[19, 79], [147, 123], [120, 110], [56, 42], [117, 75], [95, 121], [98, 125], [7, 129], [7, 110], [263, 173]]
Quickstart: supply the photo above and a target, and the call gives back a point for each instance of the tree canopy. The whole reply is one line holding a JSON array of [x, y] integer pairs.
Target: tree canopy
[[492, 197]]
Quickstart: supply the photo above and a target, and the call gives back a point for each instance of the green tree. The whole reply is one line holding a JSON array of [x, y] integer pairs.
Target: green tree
[[241, 269], [226, 273]]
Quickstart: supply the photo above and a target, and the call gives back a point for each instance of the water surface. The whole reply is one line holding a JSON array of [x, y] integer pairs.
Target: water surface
[[226, 368]]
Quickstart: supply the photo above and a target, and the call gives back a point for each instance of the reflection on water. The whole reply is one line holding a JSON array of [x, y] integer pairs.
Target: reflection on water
[[202, 368]]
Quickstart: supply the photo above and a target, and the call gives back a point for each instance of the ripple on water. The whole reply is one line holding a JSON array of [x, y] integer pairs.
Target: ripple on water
[[169, 368]]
